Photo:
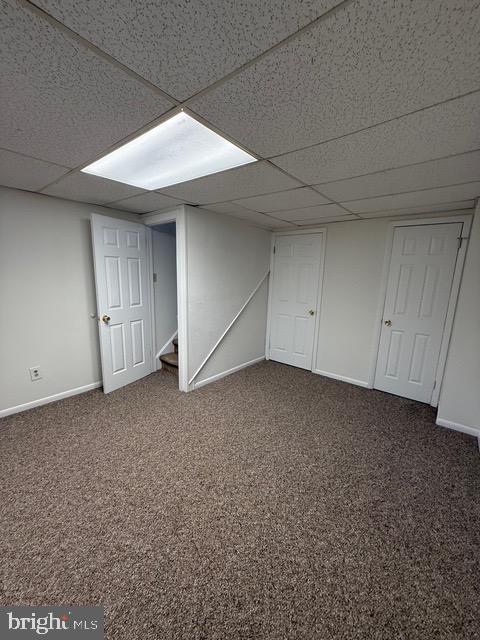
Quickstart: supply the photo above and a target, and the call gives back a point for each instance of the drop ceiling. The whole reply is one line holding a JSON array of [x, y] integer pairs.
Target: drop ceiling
[[355, 109]]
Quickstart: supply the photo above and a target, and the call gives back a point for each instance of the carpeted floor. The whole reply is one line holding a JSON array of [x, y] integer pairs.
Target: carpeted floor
[[274, 504]]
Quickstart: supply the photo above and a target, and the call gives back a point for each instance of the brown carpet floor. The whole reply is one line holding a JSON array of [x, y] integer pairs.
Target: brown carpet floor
[[274, 504]]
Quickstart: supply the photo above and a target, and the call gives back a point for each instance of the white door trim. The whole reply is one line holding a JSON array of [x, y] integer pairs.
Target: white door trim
[[316, 328], [466, 221], [178, 216], [149, 244]]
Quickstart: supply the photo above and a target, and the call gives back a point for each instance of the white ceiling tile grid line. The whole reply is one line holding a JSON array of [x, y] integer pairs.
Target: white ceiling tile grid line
[[37, 9], [242, 32], [424, 173], [412, 191], [367, 64], [335, 14]]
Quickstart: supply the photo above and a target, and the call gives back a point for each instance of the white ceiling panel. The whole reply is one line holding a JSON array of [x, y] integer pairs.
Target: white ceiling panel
[[293, 199], [259, 219], [225, 207], [437, 173], [366, 63], [447, 129], [306, 213], [182, 46], [432, 208], [61, 102], [86, 188], [416, 198], [145, 202], [310, 221], [22, 172], [250, 180]]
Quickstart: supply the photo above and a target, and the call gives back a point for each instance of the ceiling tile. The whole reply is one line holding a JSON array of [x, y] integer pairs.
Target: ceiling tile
[[437, 173], [432, 208], [87, 188], [293, 199], [319, 211], [145, 203], [22, 172], [447, 129], [259, 219], [364, 64], [303, 223], [225, 207], [65, 104], [416, 198], [185, 46], [250, 180]]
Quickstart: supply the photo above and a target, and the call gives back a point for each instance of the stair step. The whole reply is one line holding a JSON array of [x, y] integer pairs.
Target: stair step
[[170, 362]]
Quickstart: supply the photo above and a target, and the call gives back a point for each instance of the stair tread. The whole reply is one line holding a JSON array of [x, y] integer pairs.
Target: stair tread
[[170, 358]]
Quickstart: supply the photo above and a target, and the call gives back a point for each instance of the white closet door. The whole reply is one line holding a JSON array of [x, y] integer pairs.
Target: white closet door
[[123, 300], [296, 272], [418, 291]]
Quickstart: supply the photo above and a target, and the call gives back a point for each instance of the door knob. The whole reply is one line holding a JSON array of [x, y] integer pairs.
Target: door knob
[[311, 312], [388, 323], [106, 319]]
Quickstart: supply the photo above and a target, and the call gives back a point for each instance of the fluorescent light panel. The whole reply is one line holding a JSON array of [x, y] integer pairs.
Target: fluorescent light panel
[[179, 149]]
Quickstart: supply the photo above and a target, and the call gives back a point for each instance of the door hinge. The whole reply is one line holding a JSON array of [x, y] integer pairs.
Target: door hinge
[[434, 384], [274, 249]]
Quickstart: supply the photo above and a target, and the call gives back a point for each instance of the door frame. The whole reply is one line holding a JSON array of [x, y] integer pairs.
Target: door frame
[[299, 232], [178, 216], [466, 220]]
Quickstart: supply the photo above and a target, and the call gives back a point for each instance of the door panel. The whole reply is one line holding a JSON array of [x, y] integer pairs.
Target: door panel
[[296, 272], [418, 291], [120, 259]]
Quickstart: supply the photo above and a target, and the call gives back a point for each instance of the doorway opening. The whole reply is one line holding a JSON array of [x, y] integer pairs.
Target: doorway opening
[[165, 304]]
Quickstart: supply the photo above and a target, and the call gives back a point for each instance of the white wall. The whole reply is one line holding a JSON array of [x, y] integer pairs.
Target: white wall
[[165, 288], [47, 292], [459, 404], [354, 259], [227, 258]]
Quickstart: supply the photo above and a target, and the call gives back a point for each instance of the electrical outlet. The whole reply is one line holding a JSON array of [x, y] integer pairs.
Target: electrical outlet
[[35, 374]]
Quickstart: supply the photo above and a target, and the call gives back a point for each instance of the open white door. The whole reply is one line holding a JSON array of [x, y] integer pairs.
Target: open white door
[[123, 300]]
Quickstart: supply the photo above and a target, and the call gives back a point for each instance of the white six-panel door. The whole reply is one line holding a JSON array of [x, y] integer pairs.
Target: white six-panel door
[[418, 292], [123, 304], [296, 274]]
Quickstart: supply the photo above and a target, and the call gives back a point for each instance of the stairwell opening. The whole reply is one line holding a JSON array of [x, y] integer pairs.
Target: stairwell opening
[[165, 296]]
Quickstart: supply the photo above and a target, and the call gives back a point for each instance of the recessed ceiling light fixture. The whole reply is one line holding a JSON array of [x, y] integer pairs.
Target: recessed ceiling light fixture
[[179, 149]]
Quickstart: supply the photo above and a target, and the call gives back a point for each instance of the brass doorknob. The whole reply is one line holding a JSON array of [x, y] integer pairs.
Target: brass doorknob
[[106, 319], [388, 323], [311, 312]]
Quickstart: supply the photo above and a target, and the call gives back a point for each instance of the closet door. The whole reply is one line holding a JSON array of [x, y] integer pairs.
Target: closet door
[[296, 273], [418, 291]]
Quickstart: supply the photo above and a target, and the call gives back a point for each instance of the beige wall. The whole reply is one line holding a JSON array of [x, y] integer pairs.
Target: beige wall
[[47, 294], [460, 395], [226, 260]]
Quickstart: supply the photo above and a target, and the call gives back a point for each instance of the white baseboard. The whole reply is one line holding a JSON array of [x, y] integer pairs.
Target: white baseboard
[[48, 399], [223, 374], [456, 426], [336, 376]]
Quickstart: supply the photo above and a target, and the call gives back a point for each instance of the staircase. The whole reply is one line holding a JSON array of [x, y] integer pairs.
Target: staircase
[[170, 360]]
